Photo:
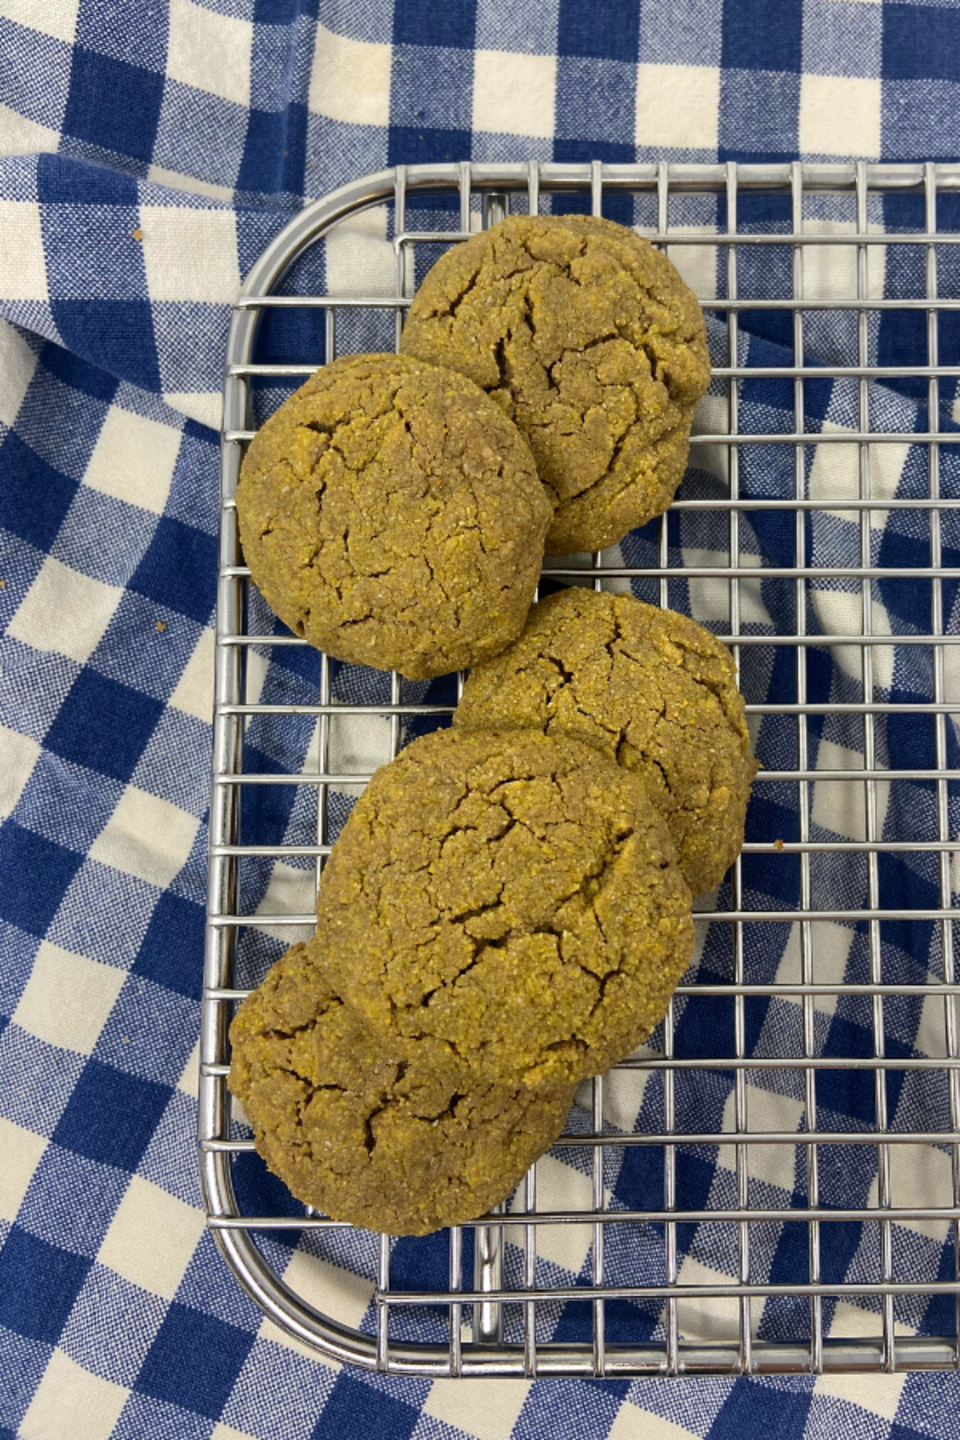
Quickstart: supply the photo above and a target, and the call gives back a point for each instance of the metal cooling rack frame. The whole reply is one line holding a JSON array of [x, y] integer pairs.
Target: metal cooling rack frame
[[482, 1349]]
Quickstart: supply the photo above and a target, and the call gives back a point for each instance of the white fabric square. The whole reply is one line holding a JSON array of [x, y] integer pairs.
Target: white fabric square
[[697, 265], [189, 1081], [921, 1176], [710, 1317], [69, 1401], [877, 1393], [632, 1423], [194, 692], [176, 180], [290, 892], [68, 998], [334, 1292], [22, 1151], [23, 270], [133, 459], [839, 805], [829, 951], [190, 254], [765, 1110], [152, 1238], [360, 259], [58, 19], [65, 611], [146, 837], [20, 136], [840, 115], [17, 364], [18, 755], [830, 271], [560, 1187], [488, 1411], [514, 94], [678, 106], [204, 406], [210, 51], [350, 79]]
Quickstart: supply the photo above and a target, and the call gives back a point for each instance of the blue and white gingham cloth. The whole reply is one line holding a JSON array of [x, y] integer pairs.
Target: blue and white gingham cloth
[[149, 152]]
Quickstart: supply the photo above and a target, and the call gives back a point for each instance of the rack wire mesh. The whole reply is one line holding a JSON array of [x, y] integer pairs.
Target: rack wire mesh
[[693, 210]]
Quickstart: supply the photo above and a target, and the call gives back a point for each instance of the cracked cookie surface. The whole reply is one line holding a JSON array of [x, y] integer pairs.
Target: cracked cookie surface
[[514, 895], [394, 1135], [650, 687], [391, 514], [587, 337]]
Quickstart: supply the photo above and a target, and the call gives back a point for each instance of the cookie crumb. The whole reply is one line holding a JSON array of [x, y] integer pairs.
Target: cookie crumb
[[161, 624], [3, 584], [778, 844], [137, 234]]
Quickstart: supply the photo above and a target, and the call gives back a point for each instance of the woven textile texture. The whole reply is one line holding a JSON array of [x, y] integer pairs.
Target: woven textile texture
[[148, 153]]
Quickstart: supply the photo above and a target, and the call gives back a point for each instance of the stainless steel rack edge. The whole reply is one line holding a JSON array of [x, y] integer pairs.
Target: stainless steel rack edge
[[487, 1354]]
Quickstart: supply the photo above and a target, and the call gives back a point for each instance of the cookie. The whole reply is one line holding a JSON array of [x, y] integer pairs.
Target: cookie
[[653, 690], [513, 895], [391, 514], [391, 1134], [587, 337]]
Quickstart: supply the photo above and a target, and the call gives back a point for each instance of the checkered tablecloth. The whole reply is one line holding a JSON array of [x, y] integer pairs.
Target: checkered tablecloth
[[150, 151]]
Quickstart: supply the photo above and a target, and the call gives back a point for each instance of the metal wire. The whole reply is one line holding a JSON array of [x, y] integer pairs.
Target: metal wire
[[490, 1345]]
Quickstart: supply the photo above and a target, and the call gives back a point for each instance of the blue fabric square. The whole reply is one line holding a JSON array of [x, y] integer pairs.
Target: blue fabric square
[[186, 785], [360, 22], [112, 1325], [34, 874], [50, 1208], [172, 949], [762, 1408], [529, 28], [125, 30], [424, 146], [19, 951], [143, 1416], [22, 1363], [752, 41], [759, 115], [356, 1411], [116, 335], [274, 1370], [65, 804], [907, 128], [149, 1032], [179, 569], [33, 497], [596, 99], [38, 1285], [36, 74], [419, 22], [186, 115], [274, 155], [111, 1116], [687, 32], [171, 1372], [60, 423], [431, 88], [841, 39], [103, 537], [132, 650], [608, 32], [113, 105], [36, 1079], [104, 725], [192, 498], [87, 919], [919, 43]]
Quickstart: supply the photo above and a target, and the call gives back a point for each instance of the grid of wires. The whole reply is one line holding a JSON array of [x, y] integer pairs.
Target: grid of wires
[[492, 1322]]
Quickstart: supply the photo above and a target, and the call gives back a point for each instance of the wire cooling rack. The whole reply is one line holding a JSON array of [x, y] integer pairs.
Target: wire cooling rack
[[478, 1339]]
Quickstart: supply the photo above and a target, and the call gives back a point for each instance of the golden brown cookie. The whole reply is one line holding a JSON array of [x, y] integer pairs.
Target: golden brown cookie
[[391, 513], [392, 1134], [587, 337], [650, 687], [513, 895]]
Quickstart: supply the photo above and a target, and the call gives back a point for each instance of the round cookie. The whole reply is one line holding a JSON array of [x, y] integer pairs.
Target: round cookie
[[394, 1135], [589, 340], [650, 687], [513, 895], [391, 513]]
